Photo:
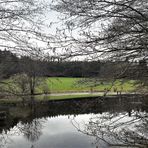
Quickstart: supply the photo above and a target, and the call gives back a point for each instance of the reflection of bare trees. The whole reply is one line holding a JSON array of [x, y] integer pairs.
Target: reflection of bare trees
[[118, 129], [4, 140], [31, 131], [5, 137]]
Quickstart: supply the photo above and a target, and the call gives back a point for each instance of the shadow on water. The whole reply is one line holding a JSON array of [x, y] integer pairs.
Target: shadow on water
[[115, 122]]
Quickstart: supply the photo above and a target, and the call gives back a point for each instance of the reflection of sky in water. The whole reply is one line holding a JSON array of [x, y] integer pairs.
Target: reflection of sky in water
[[62, 132], [57, 132]]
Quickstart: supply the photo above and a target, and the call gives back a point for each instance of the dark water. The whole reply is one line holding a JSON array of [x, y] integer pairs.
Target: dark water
[[98, 123]]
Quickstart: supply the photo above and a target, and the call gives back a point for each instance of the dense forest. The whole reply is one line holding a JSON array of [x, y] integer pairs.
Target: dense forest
[[11, 64]]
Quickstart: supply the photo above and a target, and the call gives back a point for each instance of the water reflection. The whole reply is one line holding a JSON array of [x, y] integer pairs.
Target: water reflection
[[32, 131], [117, 129], [77, 124], [29, 131], [57, 132]]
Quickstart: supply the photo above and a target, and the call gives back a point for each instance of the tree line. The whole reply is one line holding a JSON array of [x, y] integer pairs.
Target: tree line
[[11, 64]]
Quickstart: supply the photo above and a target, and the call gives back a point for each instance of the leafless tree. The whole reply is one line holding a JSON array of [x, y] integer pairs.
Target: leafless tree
[[21, 23], [117, 28], [21, 27]]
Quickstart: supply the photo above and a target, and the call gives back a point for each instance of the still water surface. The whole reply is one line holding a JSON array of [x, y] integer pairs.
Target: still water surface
[[57, 132], [85, 124]]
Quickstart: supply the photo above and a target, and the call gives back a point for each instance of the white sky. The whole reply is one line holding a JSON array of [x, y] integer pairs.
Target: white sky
[[50, 17]]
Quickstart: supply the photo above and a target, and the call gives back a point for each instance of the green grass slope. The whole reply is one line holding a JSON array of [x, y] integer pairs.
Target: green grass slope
[[63, 84]]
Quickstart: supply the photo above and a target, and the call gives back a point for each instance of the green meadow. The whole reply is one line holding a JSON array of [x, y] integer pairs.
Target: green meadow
[[73, 88], [64, 84], [69, 85]]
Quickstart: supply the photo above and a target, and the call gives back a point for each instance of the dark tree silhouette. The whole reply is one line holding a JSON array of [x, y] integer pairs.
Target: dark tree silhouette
[[116, 29]]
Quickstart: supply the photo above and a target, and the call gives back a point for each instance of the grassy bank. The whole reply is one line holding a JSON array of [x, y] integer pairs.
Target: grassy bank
[[64, 97], [40, 98], [67, 85]]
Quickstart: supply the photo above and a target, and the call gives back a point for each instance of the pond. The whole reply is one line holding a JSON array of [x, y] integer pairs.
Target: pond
[[87, 123]]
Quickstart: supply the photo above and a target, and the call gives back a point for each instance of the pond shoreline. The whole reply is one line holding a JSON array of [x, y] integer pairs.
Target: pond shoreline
[[32, 113], [37, 109], [68, 92], [67, 98]]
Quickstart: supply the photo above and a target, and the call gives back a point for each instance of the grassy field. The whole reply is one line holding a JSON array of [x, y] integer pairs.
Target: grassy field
[[67, 85], [58, 85]]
